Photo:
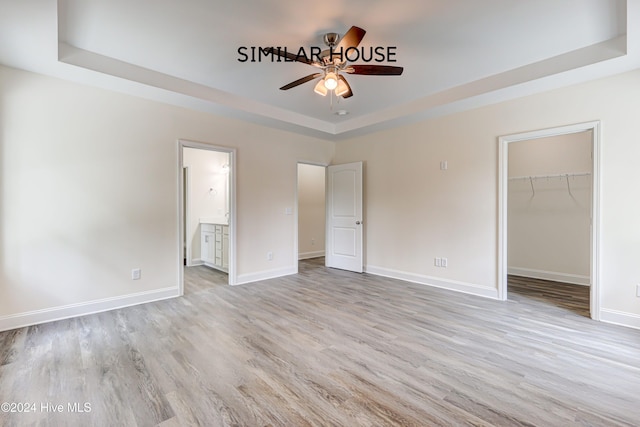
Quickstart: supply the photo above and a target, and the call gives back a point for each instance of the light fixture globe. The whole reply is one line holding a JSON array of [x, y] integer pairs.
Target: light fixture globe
[[331, 81], [342, 88], [320, 88]]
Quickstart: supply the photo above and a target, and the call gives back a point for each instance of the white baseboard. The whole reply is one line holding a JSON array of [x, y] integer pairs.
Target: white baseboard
[[35, 317], [309, 255], [469, 288], [574, 279], [621, 318], [265, 275]]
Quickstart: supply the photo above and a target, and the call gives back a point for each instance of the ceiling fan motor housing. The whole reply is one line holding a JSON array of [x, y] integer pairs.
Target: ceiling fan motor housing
[[331, 39]]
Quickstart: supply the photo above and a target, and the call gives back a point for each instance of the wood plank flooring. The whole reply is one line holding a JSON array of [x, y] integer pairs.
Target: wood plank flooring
[[564, 295], [324, 348]]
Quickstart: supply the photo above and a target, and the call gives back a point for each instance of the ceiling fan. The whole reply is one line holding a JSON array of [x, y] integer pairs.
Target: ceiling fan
[[334, 61]]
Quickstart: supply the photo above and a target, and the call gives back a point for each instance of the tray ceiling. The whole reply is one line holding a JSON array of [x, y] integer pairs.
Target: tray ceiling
[[456, 54]]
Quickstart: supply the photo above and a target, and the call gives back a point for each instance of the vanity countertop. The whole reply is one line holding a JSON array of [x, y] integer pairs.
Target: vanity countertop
[[218, 220]]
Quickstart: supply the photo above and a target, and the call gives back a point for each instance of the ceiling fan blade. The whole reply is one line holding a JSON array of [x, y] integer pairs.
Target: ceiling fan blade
[[351, 38], [283, 53], [349, 93], [301, 81], [374, 70]]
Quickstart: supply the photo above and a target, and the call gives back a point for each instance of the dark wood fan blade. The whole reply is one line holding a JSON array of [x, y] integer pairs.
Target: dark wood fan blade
[[374, 70], [301, 81], [351, 38], [283, 53], [349, 94]]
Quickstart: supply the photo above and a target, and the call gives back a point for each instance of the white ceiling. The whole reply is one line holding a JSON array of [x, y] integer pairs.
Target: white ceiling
[[456, 54]]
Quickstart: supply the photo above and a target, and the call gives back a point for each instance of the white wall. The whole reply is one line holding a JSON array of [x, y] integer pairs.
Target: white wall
[[549, 226], [89, 190], [209, 191], [415, 211], [311, 211]]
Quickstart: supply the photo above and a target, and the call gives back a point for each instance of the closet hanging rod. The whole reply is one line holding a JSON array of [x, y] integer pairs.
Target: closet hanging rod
[[559, 175]]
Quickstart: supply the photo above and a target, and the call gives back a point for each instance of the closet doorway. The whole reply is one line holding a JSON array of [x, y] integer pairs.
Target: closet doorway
[[548, 245], [207, 220]]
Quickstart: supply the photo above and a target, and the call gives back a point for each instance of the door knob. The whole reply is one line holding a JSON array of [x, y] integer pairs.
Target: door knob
[[358, 223]]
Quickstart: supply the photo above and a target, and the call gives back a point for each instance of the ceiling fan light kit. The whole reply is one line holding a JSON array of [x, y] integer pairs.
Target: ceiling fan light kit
[[331, 80], [342, 88], [332, 64], [321, 89]]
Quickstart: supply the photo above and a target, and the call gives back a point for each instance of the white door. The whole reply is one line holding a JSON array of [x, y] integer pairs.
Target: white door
[[344, 217]]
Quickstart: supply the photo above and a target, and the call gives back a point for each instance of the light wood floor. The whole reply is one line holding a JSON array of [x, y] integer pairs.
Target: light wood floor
[[325, 348], [574, 298]]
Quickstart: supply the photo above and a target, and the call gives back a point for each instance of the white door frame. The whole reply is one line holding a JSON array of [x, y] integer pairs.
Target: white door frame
[[186, 199], [503, 182], [182, 143]]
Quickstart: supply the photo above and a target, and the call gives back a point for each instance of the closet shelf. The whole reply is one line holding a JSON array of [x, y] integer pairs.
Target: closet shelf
[[566, 176], [559, 175]]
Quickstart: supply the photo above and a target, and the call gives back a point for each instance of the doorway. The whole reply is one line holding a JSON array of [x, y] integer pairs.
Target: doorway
[[338, 214], [549, 208], [207, 220], [311, 211]]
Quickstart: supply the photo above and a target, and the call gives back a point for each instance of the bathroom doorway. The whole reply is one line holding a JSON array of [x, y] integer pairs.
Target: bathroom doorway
[[206, 214]]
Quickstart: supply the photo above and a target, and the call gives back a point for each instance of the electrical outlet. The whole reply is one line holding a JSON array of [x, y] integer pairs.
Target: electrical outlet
[[638, 291], [269, 256], [136, 273], [440, 262], [313, 242]]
